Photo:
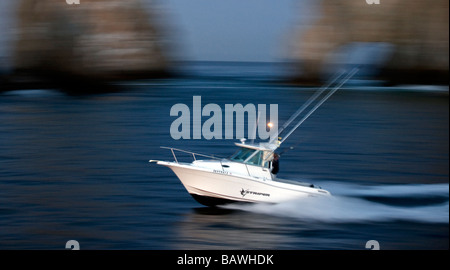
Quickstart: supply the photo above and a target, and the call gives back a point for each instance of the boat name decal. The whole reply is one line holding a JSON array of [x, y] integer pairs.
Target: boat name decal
[[247, 191], [221, 172]]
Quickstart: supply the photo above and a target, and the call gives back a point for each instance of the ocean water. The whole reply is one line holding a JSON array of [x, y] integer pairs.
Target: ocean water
[[76, 168]]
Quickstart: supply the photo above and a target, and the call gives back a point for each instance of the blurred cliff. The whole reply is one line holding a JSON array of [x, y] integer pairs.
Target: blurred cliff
[[48, 43], [94, 42], [416, 32]]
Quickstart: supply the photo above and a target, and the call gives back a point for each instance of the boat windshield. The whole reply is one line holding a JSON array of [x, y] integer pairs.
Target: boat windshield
[[256, 159], [242, 154], [249, 156]]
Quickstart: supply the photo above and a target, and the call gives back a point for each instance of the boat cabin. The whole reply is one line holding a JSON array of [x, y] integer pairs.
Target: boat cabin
[[250, 160], [253, 154]]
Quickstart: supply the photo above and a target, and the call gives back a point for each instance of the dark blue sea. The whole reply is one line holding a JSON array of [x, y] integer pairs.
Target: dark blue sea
[[76, 167]]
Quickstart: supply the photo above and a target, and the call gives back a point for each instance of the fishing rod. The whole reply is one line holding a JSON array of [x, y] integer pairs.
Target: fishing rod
[[318, 104]]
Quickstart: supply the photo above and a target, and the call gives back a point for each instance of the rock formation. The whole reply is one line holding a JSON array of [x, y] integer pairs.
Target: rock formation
[[98, 40], [417, 30]]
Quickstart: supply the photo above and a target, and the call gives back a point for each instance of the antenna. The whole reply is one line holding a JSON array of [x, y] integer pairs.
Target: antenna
[[314, 97]]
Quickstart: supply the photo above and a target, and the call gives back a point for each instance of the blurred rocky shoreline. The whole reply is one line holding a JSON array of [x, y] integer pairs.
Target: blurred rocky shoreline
[[86, 48], [416, 32]]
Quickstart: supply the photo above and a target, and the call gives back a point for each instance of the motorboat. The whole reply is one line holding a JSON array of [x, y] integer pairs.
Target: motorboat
[[246, 176]]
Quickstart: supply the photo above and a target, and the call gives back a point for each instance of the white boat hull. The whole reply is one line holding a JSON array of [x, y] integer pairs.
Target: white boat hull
[[214, 187]]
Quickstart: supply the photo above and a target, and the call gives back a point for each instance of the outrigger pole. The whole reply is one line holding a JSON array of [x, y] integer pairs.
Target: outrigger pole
[[318, 104]]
